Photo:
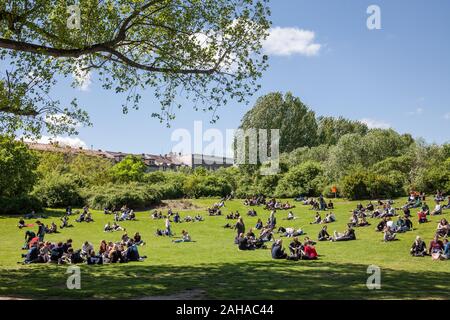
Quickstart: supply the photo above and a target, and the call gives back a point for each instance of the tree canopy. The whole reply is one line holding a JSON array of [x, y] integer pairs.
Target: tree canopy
[[208, 51]]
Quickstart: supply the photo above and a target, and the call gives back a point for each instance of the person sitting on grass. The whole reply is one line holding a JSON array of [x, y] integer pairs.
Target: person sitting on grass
[[57, 253], [290, 216], [370, 206], [329, 218], [436, 248], [65, 222], [323, 234], [447, 206], [52, 229], [437, 210], [132, 253], [309, 251], [243, 243], [277, 250], [348, 235], [382, 224], [330, 205], [422, 217], [317, 219], [443, 228], [176, 218], [418, 248], [21, 224], [82, 217], [252, 213], [406, 212], [138, 239], [388, 234], [295, 249], [259, 225], [446, 253], [363, 222], [198, 218], [266, 234], [185, 237]]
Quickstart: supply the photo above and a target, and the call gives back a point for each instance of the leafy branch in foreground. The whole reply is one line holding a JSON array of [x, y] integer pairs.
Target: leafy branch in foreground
[[205, 51]]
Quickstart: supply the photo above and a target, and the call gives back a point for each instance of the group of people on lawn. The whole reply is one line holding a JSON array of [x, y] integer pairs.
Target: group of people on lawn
[[40, 251]]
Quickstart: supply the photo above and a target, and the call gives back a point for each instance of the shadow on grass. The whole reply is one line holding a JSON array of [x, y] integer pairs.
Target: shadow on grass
[[249, 280]]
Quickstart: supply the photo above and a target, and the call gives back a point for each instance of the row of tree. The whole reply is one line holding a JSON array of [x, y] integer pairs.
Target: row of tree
[[318, 155]]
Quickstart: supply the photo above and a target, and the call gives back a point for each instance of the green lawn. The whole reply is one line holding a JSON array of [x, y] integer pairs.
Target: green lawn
[[214, 265]]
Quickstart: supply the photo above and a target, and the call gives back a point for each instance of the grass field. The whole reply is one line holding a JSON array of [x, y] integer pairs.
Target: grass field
[[214, 266]]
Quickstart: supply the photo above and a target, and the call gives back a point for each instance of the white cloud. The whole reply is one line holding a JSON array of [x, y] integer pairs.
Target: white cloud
[[289, 41], [375, 124], [62, 141], [416, 112]]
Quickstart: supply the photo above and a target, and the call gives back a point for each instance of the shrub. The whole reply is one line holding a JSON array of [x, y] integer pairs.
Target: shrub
[[56, 191], [304, 179], [19, 205], [134, 195]]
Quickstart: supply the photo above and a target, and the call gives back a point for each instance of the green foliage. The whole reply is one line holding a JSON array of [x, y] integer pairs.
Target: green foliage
[[58, 190], [304, 179], [133, 194], [19, 205], [131, 168], [296, 122], [17, 168], [212, 50], [196, 186], [363, 184], [332, 129]]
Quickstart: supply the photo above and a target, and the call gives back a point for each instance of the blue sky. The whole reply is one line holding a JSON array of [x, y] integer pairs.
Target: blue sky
[[398, 76]]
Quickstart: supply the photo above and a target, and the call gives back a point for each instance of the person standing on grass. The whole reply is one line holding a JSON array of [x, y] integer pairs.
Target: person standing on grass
[[41, 231], [240, 226], [168, 230]]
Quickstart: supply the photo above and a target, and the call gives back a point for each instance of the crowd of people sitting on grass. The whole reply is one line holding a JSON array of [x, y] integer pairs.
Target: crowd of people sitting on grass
[[63, 252], [255, 200]]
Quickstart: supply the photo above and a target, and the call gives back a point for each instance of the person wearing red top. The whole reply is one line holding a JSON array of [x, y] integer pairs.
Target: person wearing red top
[[436, 245], [309, 252], [422, 217]]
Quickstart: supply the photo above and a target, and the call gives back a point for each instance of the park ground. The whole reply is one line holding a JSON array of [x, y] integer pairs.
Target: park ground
[[213, 268]]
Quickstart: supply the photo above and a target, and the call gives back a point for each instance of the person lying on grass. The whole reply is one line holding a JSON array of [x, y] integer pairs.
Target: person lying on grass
[[323, 234], [418, 248], [348, 235], [443, 228], [185, 237], [290, 232], [266, 234]]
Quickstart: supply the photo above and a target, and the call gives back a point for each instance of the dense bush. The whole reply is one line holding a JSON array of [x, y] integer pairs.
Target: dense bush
[[57, 191], [196, 186], [304, 179], [134, 195], [19, 205]]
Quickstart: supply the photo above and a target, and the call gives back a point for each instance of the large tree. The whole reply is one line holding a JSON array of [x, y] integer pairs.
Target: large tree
[[296, 122], [208, 51]]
